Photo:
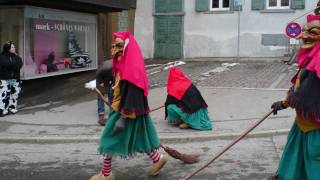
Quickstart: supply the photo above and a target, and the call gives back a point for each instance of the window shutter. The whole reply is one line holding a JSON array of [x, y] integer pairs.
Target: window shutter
[[231, 5], [257, 4], [297, 4], [202, 5], [161, 6], [132, 4]]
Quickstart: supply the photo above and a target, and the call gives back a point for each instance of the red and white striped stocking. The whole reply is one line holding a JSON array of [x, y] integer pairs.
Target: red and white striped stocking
[[155, 155], [106, 168]]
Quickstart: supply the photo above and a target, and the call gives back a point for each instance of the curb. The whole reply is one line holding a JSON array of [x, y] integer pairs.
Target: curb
[[164, 139]]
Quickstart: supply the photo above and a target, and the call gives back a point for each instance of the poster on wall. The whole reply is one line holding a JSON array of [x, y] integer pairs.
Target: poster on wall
[[55, 46]]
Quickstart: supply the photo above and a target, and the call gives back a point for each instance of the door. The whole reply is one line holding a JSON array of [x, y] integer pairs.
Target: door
[[168, 29]]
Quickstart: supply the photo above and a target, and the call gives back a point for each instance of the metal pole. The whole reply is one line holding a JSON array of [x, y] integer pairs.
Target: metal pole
[[238, 36], [238, 40]]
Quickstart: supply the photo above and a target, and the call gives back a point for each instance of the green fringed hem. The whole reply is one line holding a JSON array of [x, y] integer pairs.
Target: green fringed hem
[[301, 156], [138, 136], [199, 120]]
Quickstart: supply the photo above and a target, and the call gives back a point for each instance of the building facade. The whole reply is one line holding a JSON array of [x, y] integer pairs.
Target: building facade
[[250, 29], [62, 37]]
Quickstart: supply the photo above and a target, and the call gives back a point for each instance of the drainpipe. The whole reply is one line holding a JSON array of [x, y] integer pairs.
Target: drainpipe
[[238, 7], [238, 39]]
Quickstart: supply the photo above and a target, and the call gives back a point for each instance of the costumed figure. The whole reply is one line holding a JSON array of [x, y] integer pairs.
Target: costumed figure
[[10, 84], [301, 155], [184, 105], [129, 129]]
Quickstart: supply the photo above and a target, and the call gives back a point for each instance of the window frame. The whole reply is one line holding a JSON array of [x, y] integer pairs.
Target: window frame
[[278, 5], [220, 8]]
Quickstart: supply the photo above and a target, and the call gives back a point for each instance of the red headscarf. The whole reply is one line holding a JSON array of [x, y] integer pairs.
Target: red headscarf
[[178, 83], [131, 66]]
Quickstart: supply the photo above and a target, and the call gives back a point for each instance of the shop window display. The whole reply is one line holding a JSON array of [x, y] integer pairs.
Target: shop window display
[[58, 42]]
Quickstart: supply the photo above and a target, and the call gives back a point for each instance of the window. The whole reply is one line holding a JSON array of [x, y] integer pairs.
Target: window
[[219, 5], [58, 42], [278, 4]]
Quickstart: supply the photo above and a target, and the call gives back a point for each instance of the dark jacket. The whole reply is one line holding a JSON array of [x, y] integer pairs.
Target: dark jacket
[[10, 65], [104, 75]]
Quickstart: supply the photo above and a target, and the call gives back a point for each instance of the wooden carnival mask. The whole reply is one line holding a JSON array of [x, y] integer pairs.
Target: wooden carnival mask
[[117, 48], [310, 34]]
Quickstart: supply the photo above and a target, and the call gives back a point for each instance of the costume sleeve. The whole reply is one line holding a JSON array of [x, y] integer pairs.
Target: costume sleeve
[[305, 97], [132, 99], [103, 76]]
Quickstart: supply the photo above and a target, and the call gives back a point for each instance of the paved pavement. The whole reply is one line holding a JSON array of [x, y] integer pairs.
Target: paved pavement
[[237, 96], [253, 159]]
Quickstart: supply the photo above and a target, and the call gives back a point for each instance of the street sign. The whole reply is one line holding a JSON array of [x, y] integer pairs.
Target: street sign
[[293, 30]]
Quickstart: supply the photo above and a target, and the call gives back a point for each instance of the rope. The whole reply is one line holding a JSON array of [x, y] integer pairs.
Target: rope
[[301, 16]]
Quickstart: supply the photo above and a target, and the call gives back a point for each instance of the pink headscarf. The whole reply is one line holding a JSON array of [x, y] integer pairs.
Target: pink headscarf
[[131, 66], [312, 17], [310, 58]]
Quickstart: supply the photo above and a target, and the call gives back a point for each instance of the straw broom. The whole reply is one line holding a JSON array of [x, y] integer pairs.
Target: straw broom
[[186, 158]]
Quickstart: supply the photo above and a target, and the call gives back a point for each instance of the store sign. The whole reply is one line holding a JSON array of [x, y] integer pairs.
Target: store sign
[[69, 27]]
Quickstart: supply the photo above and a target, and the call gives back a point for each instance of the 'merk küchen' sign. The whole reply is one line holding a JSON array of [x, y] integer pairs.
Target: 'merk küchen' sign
[[47, 25]]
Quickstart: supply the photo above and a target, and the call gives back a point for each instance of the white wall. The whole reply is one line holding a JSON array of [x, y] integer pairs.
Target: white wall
[[209, 35], [144, 27], [216, 34], [255, 23]]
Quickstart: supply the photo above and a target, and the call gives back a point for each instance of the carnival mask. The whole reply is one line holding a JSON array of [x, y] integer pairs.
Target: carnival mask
[[310, 34], [117, 48]]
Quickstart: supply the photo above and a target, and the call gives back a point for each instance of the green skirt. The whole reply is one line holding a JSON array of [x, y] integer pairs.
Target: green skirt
[[301, 156], [199, 120], [138, 136]]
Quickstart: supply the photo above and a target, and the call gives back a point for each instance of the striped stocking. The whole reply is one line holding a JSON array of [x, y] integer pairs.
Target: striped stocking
[[155, 155], [106, 168]]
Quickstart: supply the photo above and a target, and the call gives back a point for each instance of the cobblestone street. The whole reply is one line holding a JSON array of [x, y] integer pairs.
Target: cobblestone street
[[245, 75], [274, 75]]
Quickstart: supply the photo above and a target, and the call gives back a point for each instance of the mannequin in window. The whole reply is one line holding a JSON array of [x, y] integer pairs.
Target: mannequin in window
[[51, 67]]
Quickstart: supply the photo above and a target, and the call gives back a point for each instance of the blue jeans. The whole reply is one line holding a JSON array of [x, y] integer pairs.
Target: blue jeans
[[100, 102], [101, 107]]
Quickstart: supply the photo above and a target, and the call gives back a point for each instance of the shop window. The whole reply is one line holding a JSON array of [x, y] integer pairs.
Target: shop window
[[58, 42]]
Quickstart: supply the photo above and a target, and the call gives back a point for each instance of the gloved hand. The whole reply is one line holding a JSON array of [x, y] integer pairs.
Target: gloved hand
[[120, 124], [277, 106]]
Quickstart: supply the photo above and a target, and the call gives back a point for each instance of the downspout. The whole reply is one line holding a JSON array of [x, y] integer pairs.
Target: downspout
[[238, 7]]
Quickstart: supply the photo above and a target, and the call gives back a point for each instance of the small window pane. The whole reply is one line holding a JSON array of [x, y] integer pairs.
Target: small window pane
[[272, 3], [225, 3], [215, 3], [284, 2]]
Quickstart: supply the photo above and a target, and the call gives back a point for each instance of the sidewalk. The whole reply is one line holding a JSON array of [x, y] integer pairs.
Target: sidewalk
[[231, 109]]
